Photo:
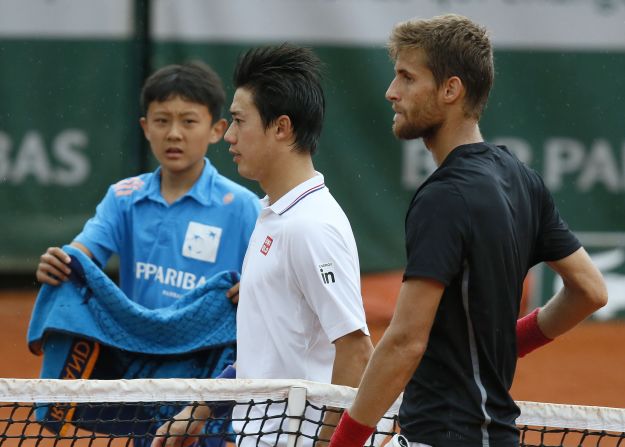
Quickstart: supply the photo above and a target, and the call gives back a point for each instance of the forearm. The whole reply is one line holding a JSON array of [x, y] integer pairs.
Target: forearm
[[386, 376], [564, 311], [384, 379], [82, 248], [584, 292], [190, 420], [394, 360], [352, 355], [350, 362]]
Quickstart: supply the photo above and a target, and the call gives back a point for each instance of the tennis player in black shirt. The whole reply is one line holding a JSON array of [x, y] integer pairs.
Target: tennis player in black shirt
[[473, 230]]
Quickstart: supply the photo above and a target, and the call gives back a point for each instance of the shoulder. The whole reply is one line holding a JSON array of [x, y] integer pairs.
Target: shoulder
[[320, 207], [530, 180], [320, 217], [530, 176], [534, 179], [230, 192], [438, 192], [130, 187]]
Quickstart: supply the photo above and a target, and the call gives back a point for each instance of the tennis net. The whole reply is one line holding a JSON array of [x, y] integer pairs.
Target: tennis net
[[116, 413]]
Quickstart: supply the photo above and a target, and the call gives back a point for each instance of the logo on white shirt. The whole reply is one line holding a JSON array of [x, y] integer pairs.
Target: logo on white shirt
[[201, 242], [327, 274], [266, 245]]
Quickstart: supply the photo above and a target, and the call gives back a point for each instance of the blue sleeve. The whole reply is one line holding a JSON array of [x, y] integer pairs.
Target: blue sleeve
[[101, 233], [249, 215]]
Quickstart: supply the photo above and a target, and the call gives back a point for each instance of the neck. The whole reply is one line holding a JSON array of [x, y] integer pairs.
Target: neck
[[450, 135], [288, 172], [176, 184]]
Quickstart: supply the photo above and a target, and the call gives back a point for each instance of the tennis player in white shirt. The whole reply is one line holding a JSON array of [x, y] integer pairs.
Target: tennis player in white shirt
[[300, 312]]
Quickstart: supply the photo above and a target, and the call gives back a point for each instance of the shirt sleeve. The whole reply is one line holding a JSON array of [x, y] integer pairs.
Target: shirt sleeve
[[438, 228], [326, 267], [101, 233], [555, 240], [249, 216]]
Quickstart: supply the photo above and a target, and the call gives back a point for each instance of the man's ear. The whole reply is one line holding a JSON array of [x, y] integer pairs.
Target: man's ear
[[283, 128], [217, 130], [452, 90]]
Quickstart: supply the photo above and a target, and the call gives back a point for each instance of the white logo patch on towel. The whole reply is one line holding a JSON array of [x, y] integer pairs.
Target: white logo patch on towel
[[201, 242]]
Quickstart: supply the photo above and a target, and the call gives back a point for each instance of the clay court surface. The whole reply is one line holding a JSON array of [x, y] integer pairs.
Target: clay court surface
[[585, 366]]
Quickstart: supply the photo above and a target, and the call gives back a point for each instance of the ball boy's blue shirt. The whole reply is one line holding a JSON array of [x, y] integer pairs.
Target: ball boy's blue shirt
[[165, 250]]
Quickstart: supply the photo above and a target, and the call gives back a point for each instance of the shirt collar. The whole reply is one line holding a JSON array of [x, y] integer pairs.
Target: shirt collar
[[202, 190], [297, 194], [464, 149]]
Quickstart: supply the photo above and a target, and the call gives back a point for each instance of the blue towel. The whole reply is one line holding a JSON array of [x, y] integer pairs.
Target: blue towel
[[99, 310], [88, 328]]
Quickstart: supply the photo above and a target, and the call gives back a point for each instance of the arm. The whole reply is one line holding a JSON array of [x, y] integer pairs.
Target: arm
[[583, 293], [53, 264], [189, 421], [396, 356], [249, 213], [400, 350], [352, 354]]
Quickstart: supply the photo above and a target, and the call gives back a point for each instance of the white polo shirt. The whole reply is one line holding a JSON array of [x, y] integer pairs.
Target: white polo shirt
[[300, 288]]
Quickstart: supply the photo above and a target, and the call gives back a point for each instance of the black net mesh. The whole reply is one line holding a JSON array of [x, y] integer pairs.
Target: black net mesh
[[265, 413], [117, 424]]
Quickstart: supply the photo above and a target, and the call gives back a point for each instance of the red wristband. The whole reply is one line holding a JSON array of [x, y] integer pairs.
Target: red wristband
[[528, 334], [350, 433]]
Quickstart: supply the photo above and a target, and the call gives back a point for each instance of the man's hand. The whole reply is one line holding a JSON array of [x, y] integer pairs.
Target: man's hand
[[189, 422], [53, 267], [233, 293], [330, 421]]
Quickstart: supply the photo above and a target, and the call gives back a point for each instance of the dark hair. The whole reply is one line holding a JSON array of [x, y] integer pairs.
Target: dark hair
[[454, 46], [192, 81], [285, 80]]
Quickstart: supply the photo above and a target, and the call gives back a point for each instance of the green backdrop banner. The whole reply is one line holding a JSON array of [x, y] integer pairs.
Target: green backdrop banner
[[69, 110], [68, 118]]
